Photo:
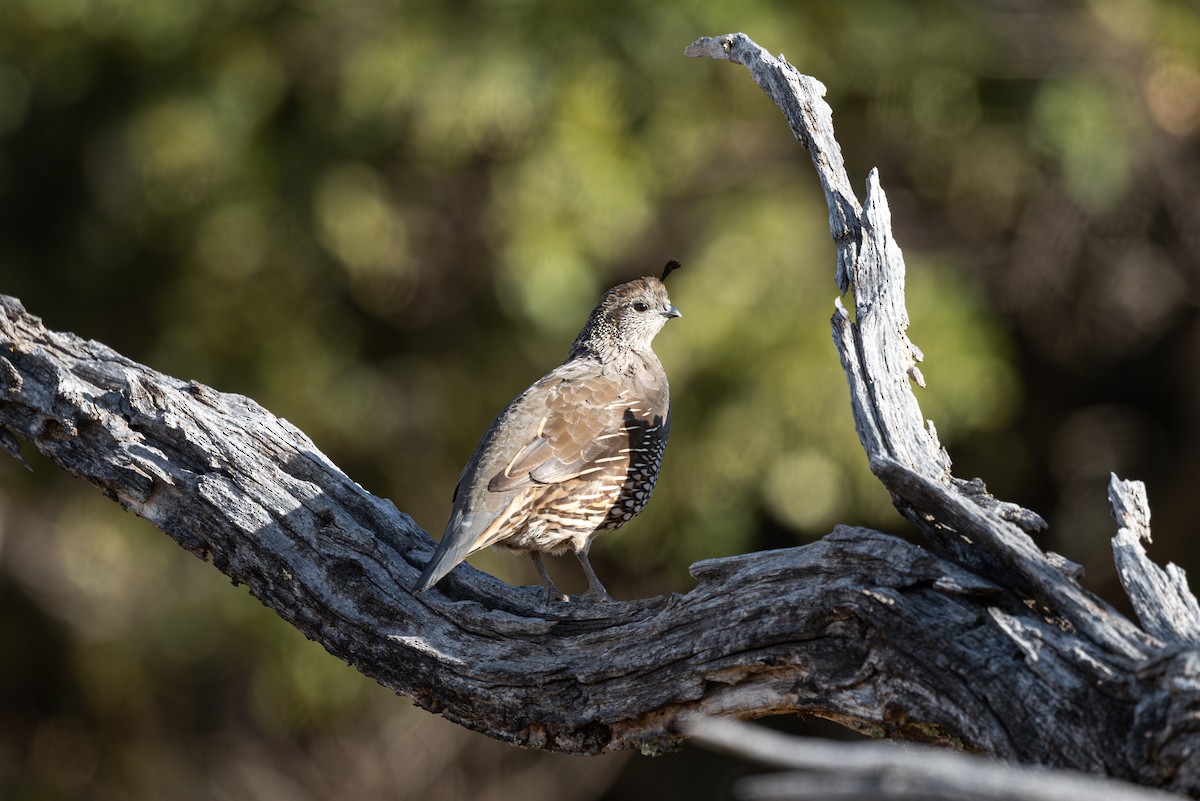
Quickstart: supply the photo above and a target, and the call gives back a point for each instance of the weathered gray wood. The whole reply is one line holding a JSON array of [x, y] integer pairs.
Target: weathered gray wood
[[889, 772], [1161, 598], [800, 96], [844, 628], [983, 641], [1094, 645]]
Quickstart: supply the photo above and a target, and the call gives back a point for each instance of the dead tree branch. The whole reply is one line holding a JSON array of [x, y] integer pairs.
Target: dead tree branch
[[982, 641], [1088, 645], [820, 770]]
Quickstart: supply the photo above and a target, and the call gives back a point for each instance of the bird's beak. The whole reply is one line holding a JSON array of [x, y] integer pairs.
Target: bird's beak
[[671, 311]]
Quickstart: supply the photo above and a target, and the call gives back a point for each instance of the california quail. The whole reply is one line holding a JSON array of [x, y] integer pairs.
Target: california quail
[[578, 452]]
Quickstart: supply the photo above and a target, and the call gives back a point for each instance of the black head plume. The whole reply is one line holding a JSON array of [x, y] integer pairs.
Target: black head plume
[[671, 267]]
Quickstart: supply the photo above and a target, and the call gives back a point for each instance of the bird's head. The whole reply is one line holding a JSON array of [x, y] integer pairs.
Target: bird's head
[[627, 317]]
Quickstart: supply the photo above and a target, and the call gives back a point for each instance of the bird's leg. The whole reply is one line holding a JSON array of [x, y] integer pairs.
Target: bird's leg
[[595, 590], [553, 593]]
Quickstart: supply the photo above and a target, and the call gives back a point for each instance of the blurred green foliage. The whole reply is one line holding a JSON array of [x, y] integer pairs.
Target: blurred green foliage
[[383, 220]]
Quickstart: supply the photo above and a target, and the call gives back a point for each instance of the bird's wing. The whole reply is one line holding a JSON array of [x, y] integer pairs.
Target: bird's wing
[[585, 426]]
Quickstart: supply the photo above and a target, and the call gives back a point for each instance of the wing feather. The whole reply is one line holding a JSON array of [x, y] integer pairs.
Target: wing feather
[[584, 428]]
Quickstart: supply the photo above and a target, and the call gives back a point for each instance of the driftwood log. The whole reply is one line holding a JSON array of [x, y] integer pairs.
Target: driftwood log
[[980, 641]]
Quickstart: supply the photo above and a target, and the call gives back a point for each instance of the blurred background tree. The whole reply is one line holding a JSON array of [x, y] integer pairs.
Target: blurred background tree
[[381, 220]]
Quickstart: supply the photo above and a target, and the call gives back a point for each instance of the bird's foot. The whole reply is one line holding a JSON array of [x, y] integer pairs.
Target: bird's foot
[[553, 594], [595, 591], [556, 596], [597, 595]]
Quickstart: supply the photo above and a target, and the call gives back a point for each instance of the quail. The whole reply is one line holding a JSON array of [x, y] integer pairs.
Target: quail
[[575, 454]]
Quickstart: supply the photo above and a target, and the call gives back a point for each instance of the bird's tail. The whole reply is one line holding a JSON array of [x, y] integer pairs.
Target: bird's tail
[[450, 551], [462, 538], [457, 544]]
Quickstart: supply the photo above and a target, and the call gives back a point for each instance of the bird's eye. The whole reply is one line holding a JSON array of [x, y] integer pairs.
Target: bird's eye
[[639, 306]]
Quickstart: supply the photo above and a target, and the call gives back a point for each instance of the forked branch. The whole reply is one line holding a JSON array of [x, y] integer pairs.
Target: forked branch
[[981, 641]]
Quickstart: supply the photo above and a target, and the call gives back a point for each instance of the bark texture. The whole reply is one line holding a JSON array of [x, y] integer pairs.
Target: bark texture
[[981, 640]]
